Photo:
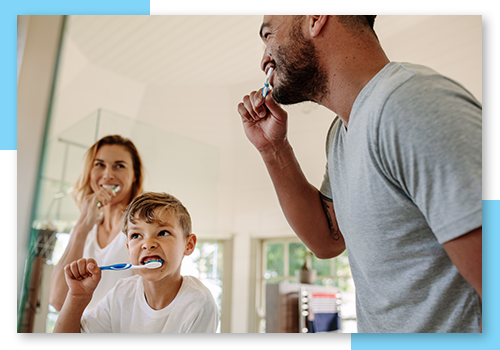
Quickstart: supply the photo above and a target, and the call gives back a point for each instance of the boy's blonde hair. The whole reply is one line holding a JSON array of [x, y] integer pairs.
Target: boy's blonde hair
[[145, 205]]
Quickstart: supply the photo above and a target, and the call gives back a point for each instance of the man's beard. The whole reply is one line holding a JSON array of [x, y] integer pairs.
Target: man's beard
[[300, 76]]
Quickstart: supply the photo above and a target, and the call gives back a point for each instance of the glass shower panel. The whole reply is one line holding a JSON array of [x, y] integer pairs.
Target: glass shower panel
[[62, 158], [183, 167]]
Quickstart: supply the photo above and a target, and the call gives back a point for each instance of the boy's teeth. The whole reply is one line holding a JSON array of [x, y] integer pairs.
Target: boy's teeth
[[152, 260]]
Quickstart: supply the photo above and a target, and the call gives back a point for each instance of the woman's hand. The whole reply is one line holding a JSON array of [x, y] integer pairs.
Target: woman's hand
[[91, 208]]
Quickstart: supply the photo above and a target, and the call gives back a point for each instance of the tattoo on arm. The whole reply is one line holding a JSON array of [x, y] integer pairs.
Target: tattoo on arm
[[334, 231]]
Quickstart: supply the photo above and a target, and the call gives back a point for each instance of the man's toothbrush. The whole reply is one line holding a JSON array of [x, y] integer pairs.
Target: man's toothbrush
[[121, 267], [266, 89]]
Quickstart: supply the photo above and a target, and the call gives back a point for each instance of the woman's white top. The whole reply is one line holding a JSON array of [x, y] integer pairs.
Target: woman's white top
[[114, 253]]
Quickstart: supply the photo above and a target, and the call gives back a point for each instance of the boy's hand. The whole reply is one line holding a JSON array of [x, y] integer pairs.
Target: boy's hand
[[82, 277]]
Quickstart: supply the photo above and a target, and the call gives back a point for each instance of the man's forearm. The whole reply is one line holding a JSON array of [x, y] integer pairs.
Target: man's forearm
[[301, 203]]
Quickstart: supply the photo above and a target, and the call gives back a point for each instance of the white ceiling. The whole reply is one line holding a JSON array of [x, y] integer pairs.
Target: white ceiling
[[172, 50], [220, 51]]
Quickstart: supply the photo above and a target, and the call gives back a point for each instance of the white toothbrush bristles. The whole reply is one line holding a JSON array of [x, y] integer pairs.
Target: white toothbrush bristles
[[114, 188], [266, 89], [153, 265]]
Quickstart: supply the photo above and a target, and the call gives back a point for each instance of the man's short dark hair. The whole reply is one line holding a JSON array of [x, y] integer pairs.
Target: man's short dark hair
[[371, 20], [358, 22], [354, 22]]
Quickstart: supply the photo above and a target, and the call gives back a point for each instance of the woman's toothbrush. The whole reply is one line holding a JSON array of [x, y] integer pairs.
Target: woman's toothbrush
[[114, 188], [265, 89], [121, 267]]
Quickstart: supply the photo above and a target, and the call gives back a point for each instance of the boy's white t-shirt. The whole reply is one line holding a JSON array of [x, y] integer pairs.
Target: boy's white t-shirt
[[125, 310]]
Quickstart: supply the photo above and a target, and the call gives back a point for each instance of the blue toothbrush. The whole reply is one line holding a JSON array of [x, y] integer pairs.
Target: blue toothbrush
[[266, 89], [123, 266]]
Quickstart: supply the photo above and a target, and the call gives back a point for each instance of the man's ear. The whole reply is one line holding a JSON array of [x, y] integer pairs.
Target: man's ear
[[316, 24], [190, 244]]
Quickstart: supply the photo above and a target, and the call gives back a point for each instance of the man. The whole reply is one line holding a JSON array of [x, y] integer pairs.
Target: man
[[402, 189]]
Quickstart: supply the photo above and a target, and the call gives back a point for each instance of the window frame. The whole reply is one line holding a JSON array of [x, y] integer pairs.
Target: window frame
[[261, 281]]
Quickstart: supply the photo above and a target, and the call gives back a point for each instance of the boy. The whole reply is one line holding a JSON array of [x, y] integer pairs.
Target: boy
[[158, 228]]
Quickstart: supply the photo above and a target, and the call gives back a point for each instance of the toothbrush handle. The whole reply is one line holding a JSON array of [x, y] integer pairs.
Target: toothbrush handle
[[265, 90], [116, 267]]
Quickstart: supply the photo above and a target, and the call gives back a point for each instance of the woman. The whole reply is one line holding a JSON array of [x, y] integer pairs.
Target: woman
[[111, 178]]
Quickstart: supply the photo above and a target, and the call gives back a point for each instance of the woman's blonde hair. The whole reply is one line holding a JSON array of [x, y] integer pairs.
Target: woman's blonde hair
[[82, 187]]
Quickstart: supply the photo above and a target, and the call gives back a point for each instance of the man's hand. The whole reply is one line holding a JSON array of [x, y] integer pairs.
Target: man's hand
[[264, 121], [82, 277], [311, 218]]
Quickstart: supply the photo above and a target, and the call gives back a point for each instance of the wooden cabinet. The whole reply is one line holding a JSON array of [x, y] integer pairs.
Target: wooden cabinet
[[287, 310]]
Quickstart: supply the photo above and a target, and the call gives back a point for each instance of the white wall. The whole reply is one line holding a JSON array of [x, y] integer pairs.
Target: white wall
[[452, 45]]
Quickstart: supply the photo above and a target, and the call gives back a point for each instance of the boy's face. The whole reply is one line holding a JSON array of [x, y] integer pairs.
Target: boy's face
[[163, 241]]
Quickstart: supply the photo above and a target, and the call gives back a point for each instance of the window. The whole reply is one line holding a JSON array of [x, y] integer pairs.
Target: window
[[207, 264], [282, 257]]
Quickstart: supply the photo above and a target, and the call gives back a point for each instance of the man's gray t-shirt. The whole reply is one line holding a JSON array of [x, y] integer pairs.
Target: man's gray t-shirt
[[404, 178]]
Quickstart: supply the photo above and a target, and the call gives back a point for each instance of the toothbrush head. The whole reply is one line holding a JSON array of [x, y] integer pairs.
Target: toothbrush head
[[114, 188], [265, 89], [154, 264]]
